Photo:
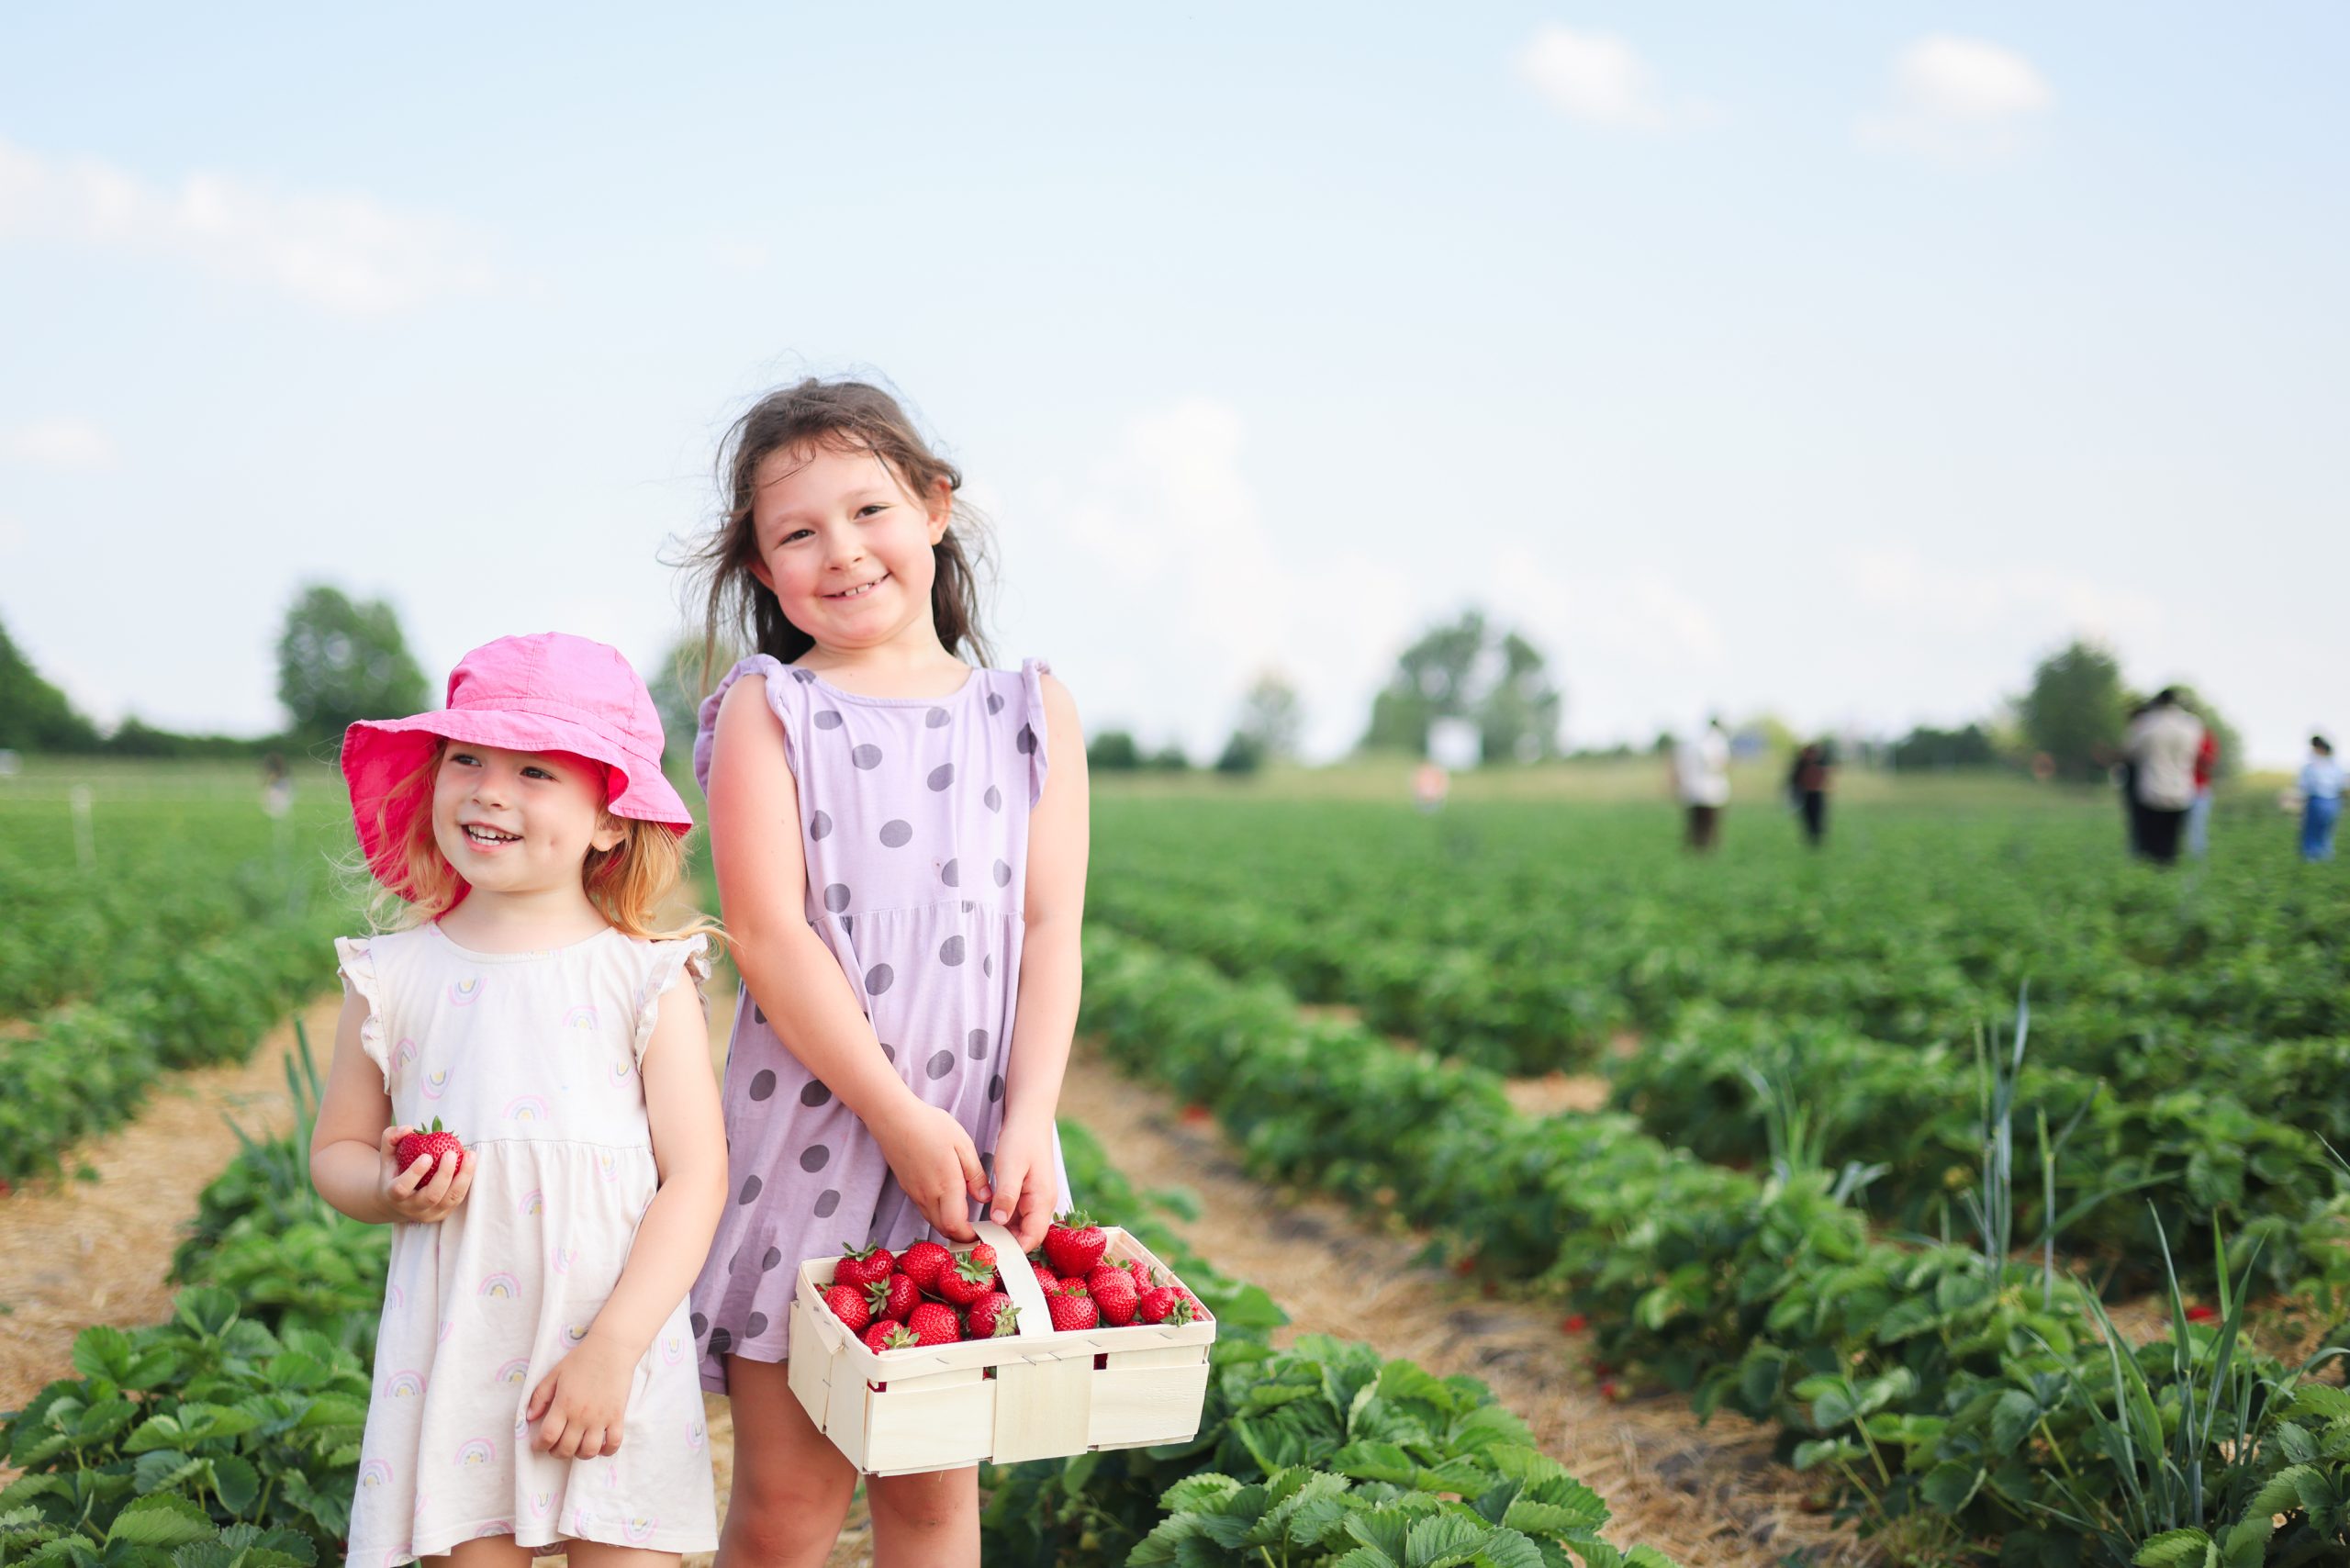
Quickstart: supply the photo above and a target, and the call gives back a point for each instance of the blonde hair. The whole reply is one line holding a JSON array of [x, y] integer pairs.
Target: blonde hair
[[630, 884]]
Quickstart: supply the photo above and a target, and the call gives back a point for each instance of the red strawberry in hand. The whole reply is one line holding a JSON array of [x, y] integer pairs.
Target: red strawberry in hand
[[934, 1323], [889, 1335], [849, 1304], [434, 1140], [1071, 1306], [863, 1265], [993, 1317], [1074, 1245], [966, 1281], [894, 1297], [924, 1262], [1115, 1295]]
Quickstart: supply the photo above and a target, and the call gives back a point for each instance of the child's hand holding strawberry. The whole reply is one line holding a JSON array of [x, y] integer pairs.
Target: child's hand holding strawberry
[[583, 1401], [424, 1175]]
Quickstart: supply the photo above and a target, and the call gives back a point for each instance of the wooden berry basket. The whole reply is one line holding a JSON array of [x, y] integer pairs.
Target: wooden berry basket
[[1040, 1394]]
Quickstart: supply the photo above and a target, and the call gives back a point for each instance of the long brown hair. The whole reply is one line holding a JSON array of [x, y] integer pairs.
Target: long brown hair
[[847, 416]]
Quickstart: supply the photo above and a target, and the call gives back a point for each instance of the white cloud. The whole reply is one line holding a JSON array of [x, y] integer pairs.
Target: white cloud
[[1597, 78], [1958, 100], [1168, 530], [345, 252], [59, 443]]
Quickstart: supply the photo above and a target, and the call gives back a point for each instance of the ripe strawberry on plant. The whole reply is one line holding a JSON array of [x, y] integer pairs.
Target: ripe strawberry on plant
[[1071, 1306], [889, 1335], [1113, 1292], [923, 1262], [863, 1265], [435, 1140], [966, 1281], [993, 1317], [934, 1323], [848, 1304], [894, 1297], [1074, 1245]]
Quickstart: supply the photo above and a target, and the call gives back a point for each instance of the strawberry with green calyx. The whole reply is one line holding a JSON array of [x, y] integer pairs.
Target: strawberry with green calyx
[[849, 1304], [924, 1262], [1071, 1306], [1115, 1295], [993, 1317], [966, 1281], [863, 1265], [894, 1297], [434, 1140], [934, 1323], [1074, 1244], [1168, 1303], [889, 1335]]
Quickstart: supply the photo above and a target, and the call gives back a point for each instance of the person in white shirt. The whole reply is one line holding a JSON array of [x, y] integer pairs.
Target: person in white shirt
[[2161, 747], [1701, 775], [2321, 800]]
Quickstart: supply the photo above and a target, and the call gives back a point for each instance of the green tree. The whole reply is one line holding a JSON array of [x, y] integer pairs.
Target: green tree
[[1272, 718], [35, 715], [2076, 708], [1112, 751], [339, 660], [1469, 670], [1244, 752]]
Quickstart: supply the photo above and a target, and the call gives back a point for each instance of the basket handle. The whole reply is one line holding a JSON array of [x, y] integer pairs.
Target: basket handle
[[1019, 1279]]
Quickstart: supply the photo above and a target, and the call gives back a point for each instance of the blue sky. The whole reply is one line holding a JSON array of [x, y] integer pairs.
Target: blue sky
[[1830, 361]]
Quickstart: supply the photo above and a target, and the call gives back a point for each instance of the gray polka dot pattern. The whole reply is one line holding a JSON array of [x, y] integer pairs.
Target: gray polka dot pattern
[[897, 796]]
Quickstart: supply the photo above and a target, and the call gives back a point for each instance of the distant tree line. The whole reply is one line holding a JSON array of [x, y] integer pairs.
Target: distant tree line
[[338, 659]]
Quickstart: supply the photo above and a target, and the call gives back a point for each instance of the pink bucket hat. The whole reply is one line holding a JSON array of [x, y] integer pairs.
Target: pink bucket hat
[[550, 691]]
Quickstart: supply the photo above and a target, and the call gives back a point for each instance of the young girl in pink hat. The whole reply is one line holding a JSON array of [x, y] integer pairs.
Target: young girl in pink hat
[[902, 878], [534, 1373]]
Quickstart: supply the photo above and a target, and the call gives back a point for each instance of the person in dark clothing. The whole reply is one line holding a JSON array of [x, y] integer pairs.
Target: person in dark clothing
[[1807, 788]]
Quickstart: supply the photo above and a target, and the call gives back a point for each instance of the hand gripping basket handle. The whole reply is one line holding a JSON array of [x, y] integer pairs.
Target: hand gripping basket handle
[[1019, 1279]]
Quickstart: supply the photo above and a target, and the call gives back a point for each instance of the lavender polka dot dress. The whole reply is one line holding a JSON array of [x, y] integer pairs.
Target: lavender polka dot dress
[[913, 814]]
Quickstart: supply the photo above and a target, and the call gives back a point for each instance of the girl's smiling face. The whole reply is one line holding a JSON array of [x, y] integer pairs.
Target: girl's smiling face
[[518, 821], [844, 547]]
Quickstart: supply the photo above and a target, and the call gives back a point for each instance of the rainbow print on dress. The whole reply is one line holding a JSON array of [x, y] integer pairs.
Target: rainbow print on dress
[[464, 992], [512, 1372], [582, 1017], [526, 1108], [405, 1385], [375, 1473], [478, 1451], [533, 1204], [639, 1529], [500, 1287], [436, 1083]]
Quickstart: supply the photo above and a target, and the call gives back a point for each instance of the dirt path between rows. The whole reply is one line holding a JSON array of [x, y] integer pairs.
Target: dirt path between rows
[[78, 1252], [1710, 1494]]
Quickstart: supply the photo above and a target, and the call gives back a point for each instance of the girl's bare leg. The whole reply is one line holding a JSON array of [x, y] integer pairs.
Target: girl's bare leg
[[791, 1485], [925, 1521]]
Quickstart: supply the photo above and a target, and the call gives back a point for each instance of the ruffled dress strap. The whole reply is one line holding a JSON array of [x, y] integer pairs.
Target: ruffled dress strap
[[779, 677], [355, 962], [664, 963], [1032, 729]]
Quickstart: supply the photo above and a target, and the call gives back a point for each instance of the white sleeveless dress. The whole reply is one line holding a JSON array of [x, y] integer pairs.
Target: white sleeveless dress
[[530, 1058]]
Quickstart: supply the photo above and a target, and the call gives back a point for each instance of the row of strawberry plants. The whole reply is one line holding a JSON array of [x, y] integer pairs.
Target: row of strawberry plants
[[227, 1437], [1544, 928], [1957, 1398], [88, 1066], [2196, 1157]]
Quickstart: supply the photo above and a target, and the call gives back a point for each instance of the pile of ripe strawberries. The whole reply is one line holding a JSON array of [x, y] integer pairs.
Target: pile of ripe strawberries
[[932, 1296]]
